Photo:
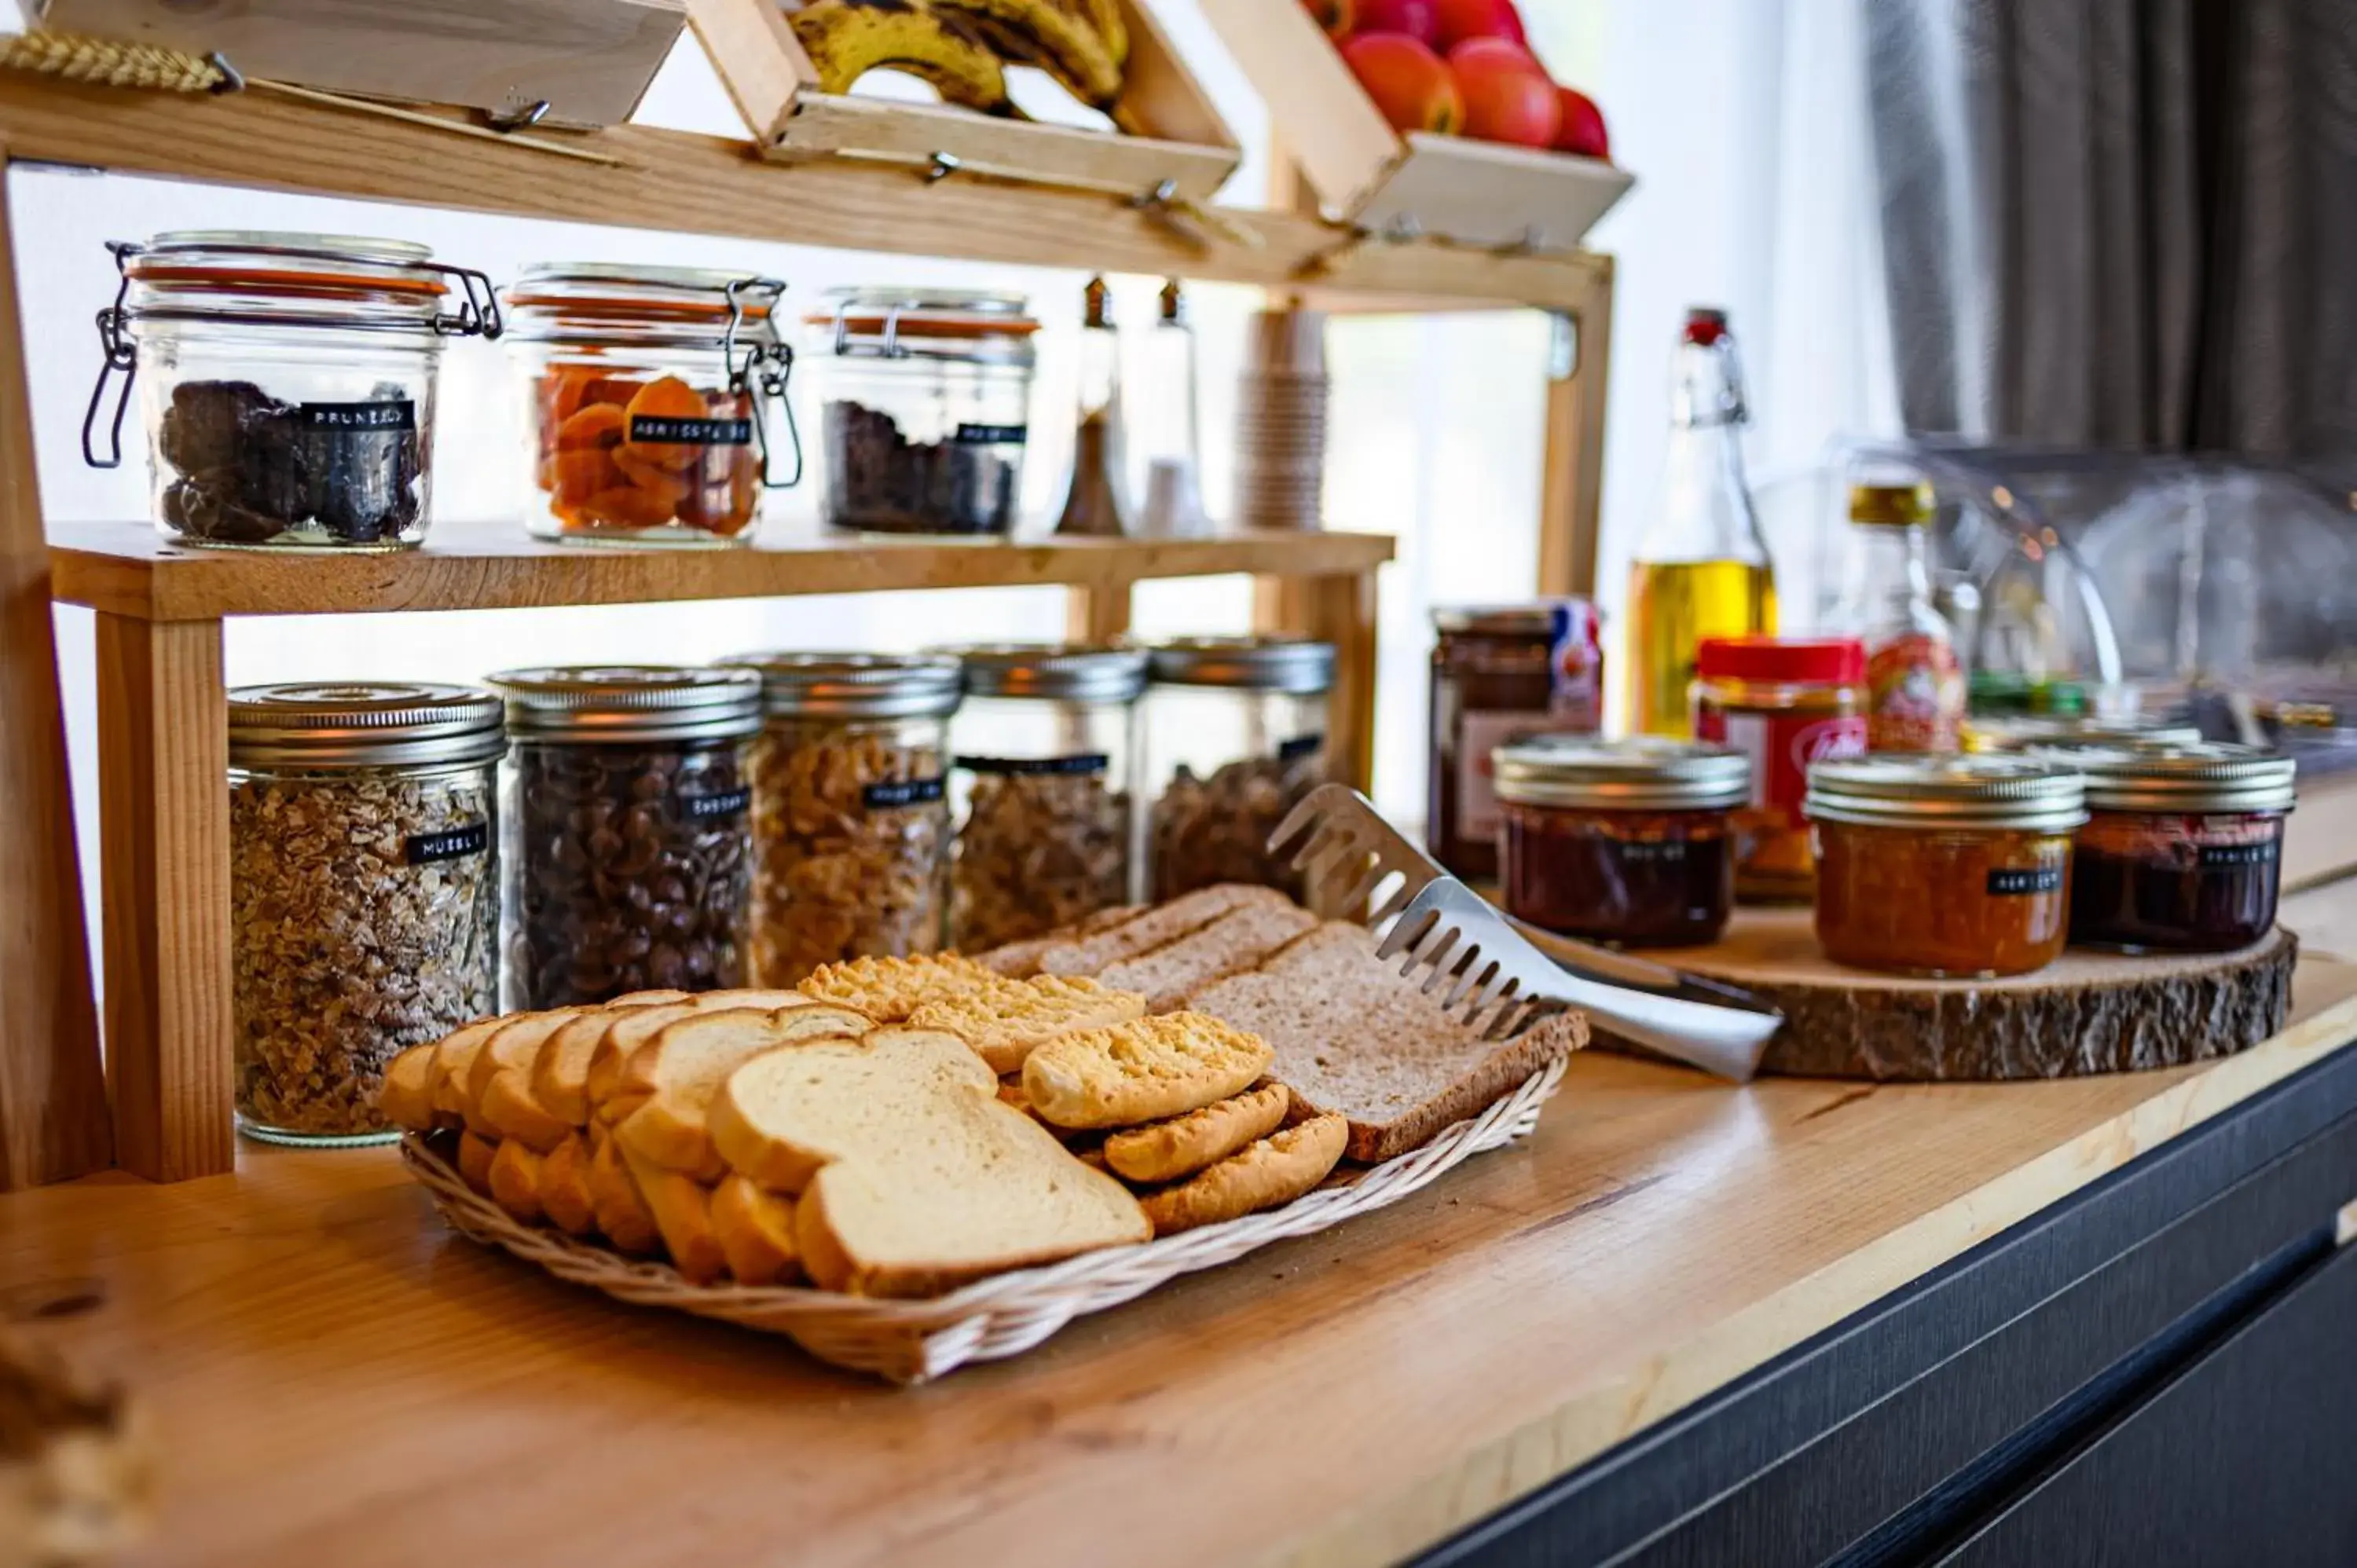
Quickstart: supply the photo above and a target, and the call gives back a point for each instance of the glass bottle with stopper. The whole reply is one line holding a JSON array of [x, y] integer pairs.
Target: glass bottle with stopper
[[1096, 504]]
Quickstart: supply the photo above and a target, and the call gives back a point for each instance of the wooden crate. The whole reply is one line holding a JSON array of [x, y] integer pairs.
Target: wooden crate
[[1182, 141], [1366, 174]]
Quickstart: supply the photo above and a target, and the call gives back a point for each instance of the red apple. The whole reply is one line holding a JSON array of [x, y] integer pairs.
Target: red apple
[[1507, 97], [1418, 19], [1339, 17], [1409, 83], [1583, 125], [1463, 19]]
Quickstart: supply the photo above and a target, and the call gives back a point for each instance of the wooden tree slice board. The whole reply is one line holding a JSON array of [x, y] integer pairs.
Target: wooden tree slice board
[[2085, 1013]]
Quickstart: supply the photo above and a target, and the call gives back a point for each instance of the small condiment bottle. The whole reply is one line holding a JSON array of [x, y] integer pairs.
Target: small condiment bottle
[[1951, 867], [1784, 701], [2183, 845], [1915, 683]]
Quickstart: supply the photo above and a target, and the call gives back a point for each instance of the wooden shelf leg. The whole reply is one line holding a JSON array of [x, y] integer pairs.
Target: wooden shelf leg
[[1572, 496], [1341, 610], [1094, 615], [163, 738], [53, 1121]]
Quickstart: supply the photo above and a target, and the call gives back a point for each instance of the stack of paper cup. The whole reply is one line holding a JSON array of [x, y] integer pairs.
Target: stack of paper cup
[[1281, 421]]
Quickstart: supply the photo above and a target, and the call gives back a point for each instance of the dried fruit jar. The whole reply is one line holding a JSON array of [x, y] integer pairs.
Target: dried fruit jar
[[1500, 673], [364, 893], [1235, 736], [1042, 784], [1628, 842], [1784, 701], [2183, 847], [655, 395], [851, 812], [927, 398], [286, 383], [627, 850], [1953, 867]]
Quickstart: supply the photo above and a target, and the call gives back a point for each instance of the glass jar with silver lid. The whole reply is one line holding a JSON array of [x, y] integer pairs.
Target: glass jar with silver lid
[[1235, 736], [628, 842], [1044, 785], [364, 894], [851, 814]]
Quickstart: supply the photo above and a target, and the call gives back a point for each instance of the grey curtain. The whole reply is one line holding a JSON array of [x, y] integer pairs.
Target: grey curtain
[[2127, 224]]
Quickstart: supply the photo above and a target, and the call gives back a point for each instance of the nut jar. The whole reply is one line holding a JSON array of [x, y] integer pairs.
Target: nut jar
[[655, 395], [927, 400], [1235, 736], [851, 817], [1500, 673], [1952, 867], [286, 383], [627, 846], [2183, 846], [1045, 746], [1784, 701], [364, 894], [1628, 842]]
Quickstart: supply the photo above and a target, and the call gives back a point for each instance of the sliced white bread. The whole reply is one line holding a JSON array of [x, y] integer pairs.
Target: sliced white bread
[[1007, 1020], [512, 1046], [615, 1204], [1163, 924], [601, 1069], [564, 1195], [1236, 941], [756, 1231], [673, 1076], [1353, 1035], [475, 1156], [454, 1058], [682, 1208], [515, 1178], [406, 1095]]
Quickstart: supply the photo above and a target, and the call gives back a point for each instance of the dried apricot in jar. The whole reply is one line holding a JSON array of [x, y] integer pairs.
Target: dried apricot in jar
[[577, 475], [564, 393], [629, 506], [669, 398], [598, 424]]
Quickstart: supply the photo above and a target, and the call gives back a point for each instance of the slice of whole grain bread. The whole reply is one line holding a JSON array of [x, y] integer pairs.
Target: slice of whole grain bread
[[1236, 941], [1351, 1035], [1163, 924]]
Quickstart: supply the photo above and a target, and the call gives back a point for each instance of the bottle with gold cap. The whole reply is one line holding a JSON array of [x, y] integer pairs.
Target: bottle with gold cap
[[1915, 683]]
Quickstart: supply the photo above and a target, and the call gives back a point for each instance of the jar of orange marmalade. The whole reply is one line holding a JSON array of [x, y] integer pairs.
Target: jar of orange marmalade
[[1786, 702], [1953, 867]]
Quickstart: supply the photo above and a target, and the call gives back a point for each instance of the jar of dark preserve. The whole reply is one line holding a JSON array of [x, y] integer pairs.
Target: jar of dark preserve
[[1627, 842], [2183, 847], [1500, 673]]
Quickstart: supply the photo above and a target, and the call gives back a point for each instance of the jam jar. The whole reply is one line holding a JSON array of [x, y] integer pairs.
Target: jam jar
[[2183, 847], [1952, 867], [1627, 842], [1786, 701], [1499, 673]]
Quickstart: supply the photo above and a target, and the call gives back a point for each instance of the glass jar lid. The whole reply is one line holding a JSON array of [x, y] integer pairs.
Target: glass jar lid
[[2018, 731], [1782, 661], [362, 724], [1495, 620], [1890, 505], [974, 326], [1644, 773], [856, 685], [1049, 670], [1997, 793], [295, 279], [2200, 778], [598, 303], [1290, 664], [630, 703]]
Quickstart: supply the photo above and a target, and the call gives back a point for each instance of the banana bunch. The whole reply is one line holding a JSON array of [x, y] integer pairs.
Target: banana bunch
[[962, 46]]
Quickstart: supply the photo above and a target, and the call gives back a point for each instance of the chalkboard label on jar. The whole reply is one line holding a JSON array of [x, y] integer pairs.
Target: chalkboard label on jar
[[1091, 762], [450, 843], [2037, 879], [1299, 746], [656, 430], [715, 808], [2221, 856], [392, 413], [1654, 850], [904, 792], [991, 435]]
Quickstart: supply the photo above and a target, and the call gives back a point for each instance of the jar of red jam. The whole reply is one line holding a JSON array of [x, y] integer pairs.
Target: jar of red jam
[[1784, 701], [1953, 867], [2183, 847], [1627, 842]]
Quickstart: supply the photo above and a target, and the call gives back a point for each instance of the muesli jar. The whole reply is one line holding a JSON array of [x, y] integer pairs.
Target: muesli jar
[[1784, 701], [2183, 847], [655, 397], [1042, 784], [851, 815], [628, 849], [286, 383], [927, 395], [1952, 867], [364, 894], [1628, 841], [1500, 673], [1235, 731]]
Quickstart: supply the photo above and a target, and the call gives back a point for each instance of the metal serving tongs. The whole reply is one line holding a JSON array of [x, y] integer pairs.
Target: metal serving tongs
[[1498, 971]]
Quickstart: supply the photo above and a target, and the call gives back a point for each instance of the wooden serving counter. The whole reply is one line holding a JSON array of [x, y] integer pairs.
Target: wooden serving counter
[[334, 1377]]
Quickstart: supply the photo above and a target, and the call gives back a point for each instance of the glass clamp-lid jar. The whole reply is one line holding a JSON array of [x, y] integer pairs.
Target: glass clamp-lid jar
[[1500, 673], [627, 848], [2183, 847], [364, 894], [927, 395], [851, 815], [1784, 701], [1235, 733], [1627, 842], [655, 394], [288, 400], [1949, 867], [1043, 786]]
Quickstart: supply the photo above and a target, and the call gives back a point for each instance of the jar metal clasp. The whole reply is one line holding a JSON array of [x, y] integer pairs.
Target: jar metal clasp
[[761, 366], [122, 353]]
